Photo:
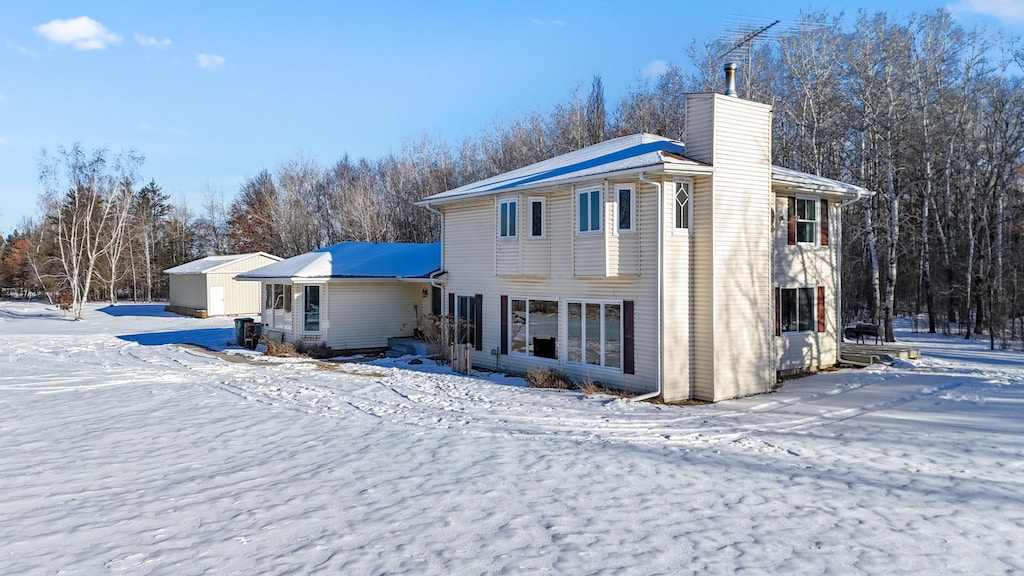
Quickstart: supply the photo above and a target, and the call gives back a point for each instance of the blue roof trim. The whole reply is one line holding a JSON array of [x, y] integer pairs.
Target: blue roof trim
[[632, 151]]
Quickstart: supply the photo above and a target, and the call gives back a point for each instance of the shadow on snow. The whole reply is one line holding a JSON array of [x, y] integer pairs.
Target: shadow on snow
[[213, 338]]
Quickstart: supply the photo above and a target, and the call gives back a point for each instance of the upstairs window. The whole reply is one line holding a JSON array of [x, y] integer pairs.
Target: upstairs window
[[588, 211], [682, 205], [536, 217], [626, 204], [507, 214], [806, 220]]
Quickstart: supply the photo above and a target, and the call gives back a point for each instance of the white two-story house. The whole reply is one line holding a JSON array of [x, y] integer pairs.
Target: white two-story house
[[685, 271]]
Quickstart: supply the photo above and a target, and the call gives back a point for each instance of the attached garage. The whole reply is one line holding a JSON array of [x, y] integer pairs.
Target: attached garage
[[207, 287]]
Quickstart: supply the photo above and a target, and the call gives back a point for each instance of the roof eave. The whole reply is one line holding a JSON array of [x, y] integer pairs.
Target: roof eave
[[660, 167]]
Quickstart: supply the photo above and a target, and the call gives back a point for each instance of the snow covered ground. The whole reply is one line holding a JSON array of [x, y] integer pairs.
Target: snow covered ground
[[122, 452]]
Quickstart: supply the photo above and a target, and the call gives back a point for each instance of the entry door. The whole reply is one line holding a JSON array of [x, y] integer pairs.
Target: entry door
[[216, 304]]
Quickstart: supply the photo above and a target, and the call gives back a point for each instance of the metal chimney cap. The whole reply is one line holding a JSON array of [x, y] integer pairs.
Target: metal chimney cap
[[730, 79]]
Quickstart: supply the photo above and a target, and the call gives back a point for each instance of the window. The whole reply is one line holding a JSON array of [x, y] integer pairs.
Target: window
[[595, 333], [588, 211], [533, 327], [279, 297], [806, 220], [626, 208], [465, 316], [797, 309], [507, 218], [311, 308], [536, 217], [682, 205]]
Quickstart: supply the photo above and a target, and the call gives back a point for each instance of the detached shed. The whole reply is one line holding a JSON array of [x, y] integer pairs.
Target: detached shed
[[207, 287]]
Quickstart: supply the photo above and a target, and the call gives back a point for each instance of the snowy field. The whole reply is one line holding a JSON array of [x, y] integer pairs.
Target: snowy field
[[122, 452]]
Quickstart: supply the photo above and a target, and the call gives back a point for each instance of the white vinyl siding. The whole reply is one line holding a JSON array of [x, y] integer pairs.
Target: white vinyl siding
[[468, 274], [807, 267], [733, 294]]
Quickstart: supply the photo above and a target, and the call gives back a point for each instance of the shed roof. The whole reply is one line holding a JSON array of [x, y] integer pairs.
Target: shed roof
[[356, 260], [212, 263]]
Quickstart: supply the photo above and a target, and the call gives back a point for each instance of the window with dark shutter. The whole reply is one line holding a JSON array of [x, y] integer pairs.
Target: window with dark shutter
[[478, 317], [824, 222], [504, 324], [791, 235], [628, 341], [821, 308], [778, 312]]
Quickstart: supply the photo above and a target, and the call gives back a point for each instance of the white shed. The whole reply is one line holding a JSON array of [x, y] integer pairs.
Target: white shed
[[207, 287]]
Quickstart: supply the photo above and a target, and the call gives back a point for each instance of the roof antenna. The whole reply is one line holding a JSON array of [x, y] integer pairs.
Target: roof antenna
[[741, 48]]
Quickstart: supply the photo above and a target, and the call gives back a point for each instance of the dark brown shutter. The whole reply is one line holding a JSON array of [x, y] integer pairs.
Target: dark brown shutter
[[628, 341], [824, 222], [821, 308], [451, 306], [478, 313], [778, 311], [792, 222], [288, 298], [504, 324]]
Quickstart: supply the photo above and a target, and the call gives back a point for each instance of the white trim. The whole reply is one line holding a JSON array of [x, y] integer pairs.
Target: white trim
[[632, 208], [816, 235], [510, 232], [320, 312], [814, 310], [543, 217], [688, 229], [526, 326], [591, 230], [583, 334]]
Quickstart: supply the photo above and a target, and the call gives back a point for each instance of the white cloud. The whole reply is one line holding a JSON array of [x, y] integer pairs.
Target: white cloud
[[83, 33], [1008, 10], [210, 61], [654, 69], [149, 41], [539, 22]]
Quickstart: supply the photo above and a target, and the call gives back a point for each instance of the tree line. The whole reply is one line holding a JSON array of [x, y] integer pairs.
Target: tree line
[[926, 113]]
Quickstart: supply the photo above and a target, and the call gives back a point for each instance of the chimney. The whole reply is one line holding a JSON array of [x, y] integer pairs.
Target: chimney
[[730, 79]]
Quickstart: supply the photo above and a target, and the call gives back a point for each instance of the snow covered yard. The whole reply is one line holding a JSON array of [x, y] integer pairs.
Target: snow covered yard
[[123, 452]]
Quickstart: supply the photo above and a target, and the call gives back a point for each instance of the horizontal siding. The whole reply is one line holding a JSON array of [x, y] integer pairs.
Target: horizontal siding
[[808, 266], [465, 278], [677, 323], [468, 244], [365, 315], [188, 290], [245, 264], [240, 297]]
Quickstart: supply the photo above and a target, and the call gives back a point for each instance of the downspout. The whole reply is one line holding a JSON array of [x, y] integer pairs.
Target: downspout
[[659, 301]]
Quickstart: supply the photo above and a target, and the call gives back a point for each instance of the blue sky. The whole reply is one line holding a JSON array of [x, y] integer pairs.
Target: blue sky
[[213, 92]]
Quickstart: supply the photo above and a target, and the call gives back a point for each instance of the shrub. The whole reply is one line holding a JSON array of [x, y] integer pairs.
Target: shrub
[[549, 378]]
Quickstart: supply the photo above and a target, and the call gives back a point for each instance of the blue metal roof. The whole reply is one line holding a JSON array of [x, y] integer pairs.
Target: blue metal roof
[[357, 260]]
